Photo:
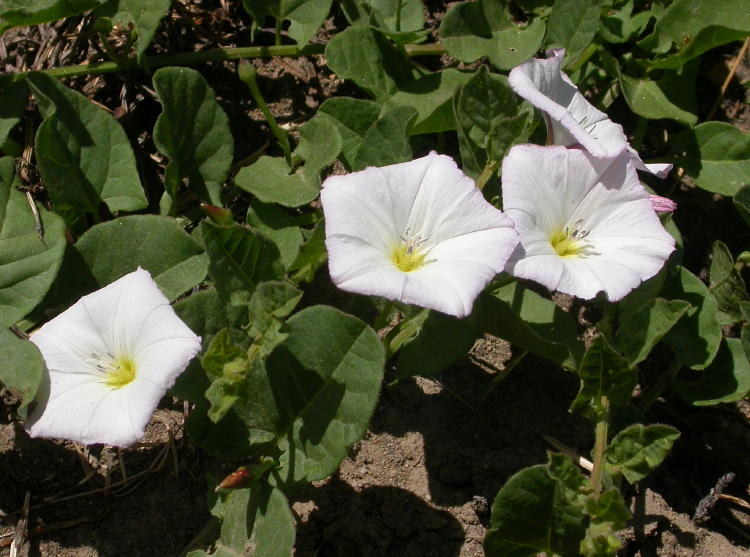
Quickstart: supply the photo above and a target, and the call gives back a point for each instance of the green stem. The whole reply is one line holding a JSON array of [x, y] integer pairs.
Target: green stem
[[277, 37], [191, 58], [576, 64], [600, 444], [486, 174], [399, 5], [247, 74]]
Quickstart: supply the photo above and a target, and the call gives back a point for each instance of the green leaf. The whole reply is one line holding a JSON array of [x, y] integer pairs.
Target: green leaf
[[366, 57], [23, 367], [143, 15], [673, 96], [621, 25], [352, 118], [271, 301], [642, 331], [319, 144], [431, 96], [239, 260], [12, 107], [382, 14], [386, 141], [489, 120], [603, 373], [742, 203], [609, 514], [269, 180], [526, 319], [684, 21], [539, 509], [704, 40], [307, 18], [83, 154], [727, 285], [727, 379], [226, 364], [28, 264], [311, 255], [696, 337], [637, 450], [34, 12], [573, 25], [203, 313], [715, 154], [158, 244], [279, 227], [440, 341], [256, 521], [471, 30], [193, 132], [326, 379]]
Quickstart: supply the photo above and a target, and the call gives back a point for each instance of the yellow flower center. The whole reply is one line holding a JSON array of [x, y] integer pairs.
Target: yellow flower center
[[569, 243], [119, 373], [407, 257]]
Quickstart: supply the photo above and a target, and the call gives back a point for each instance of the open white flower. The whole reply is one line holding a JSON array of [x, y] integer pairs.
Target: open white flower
[[419, 232], [570, 118], [585, 225], [110, 357]]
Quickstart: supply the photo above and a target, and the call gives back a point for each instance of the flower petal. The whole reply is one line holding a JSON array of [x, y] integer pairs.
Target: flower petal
[[429, 201], [553, 190], [130, 319]]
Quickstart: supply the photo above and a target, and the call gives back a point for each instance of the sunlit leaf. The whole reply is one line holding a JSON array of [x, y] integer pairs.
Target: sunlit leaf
[[637, 335], [158, 244], [696, 336], [28, 263], [573, 25], [715, 154], [637, 450], [23, 367], [307, 18], [471, 30], [603, 373], [673, 96], [193, 132], [279, 227], [366, 57], [269, 179], [326, 379], [83, 154], [539, 509]]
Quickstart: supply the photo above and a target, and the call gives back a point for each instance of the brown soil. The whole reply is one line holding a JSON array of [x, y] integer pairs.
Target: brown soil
[[422, 481]]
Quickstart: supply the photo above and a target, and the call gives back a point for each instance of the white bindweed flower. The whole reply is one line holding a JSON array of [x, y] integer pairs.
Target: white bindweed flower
[[585, 225], [110, 358], [570, 118], [419, 232]]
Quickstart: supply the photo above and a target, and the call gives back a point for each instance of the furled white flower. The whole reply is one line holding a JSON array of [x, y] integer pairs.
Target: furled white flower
[[110, 358], [419, 232], [570, 118], [585, 225]]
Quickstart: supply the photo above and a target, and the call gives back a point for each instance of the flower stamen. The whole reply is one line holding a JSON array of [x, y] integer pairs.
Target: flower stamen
[[118, 372], [570, 243], [409, 255]]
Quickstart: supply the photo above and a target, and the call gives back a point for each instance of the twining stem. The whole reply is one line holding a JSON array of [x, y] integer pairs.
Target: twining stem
[[399, 5], [191, 58], [489, 170], [277, 36], [600, 444], [247, 74], [574, 65]]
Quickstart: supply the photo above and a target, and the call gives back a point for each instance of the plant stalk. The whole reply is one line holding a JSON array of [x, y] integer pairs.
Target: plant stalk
[[487, 172], [247, 73], [600, 444], [191, 58]]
